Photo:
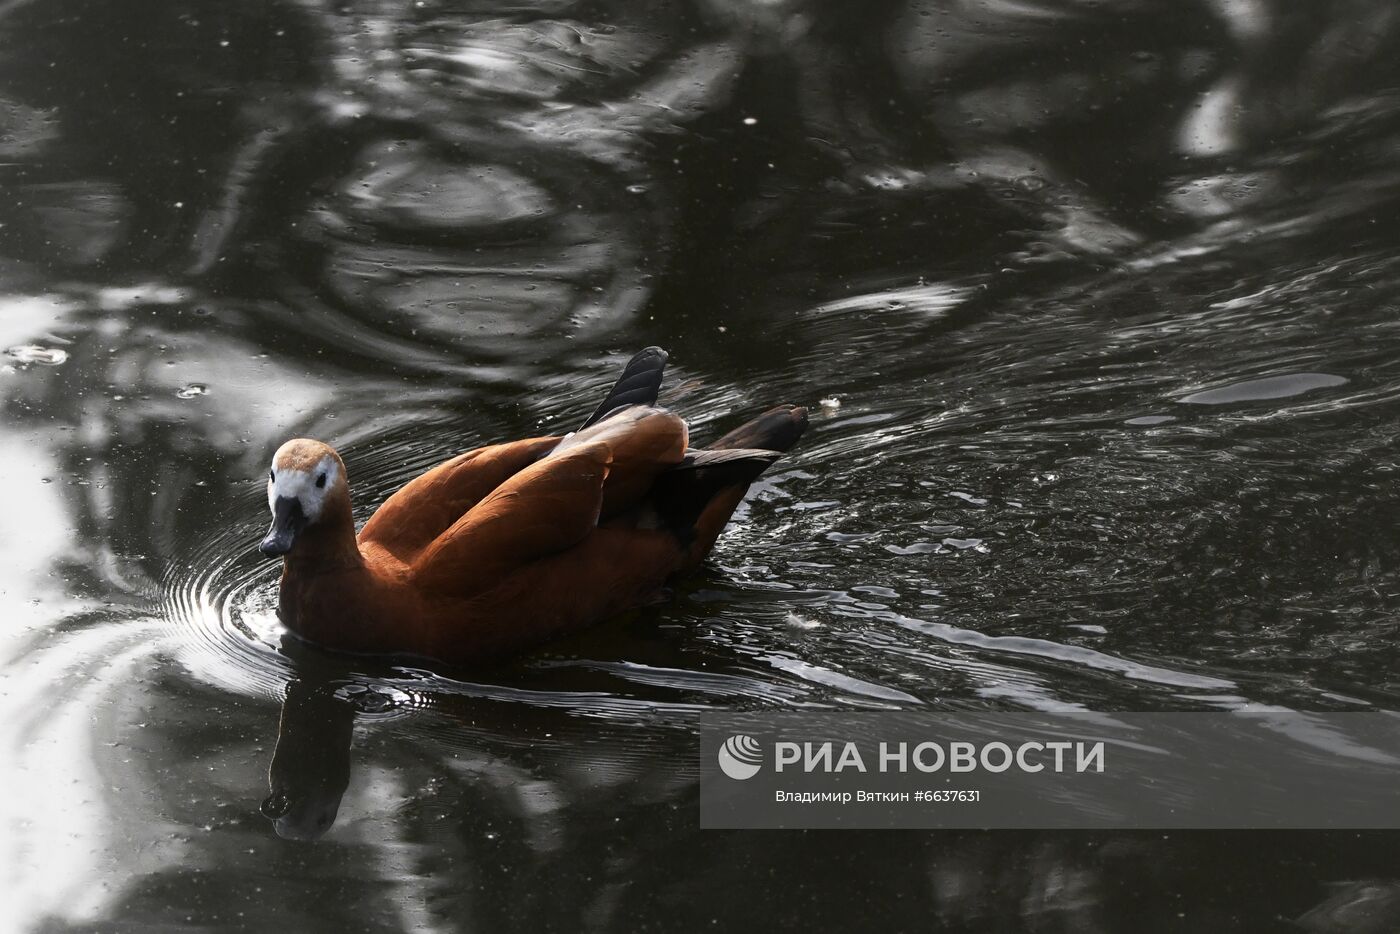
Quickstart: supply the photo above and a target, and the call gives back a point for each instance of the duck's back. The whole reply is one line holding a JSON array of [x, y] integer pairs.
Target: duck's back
[[426, 507], [555, 504]]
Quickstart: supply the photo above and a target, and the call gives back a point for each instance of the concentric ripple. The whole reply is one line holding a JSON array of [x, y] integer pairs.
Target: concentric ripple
[[225, 606]]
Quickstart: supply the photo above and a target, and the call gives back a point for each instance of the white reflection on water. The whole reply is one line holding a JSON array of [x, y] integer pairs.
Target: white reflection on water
[[36, 535], [84, 818], [59, 831], [69, 847]]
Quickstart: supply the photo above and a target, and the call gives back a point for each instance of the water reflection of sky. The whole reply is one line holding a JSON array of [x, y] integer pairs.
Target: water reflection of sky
[[1104, 338]]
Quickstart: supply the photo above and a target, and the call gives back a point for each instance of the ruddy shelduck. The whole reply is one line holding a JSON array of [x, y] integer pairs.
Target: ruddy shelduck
[[504, 547]]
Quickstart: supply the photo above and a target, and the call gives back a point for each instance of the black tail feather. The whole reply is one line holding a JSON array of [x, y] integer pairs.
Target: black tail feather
[[682, 493], [775, 430], [639, 384], [735, 460]]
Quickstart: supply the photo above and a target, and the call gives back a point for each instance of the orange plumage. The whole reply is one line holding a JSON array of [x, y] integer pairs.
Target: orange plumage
[[505, 547]]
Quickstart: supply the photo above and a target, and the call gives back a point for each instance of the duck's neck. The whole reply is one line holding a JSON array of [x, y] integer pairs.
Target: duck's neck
[[327, 545], [328, 592]]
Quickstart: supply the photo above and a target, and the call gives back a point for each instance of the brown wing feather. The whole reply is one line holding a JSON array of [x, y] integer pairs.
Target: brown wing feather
[[644, 442], [555, 503], [428, 505], [544, 508]]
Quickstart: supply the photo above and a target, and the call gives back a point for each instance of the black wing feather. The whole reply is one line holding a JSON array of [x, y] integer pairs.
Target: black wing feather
[[639, 384]]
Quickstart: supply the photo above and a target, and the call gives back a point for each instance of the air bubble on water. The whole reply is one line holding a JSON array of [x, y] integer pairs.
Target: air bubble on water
[[374, 702], [750, 121], [637, 189], [191, 390], [829, 405], [38, 354]]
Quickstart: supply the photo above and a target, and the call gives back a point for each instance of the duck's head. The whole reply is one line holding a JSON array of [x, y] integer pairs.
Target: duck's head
[[306, 480]]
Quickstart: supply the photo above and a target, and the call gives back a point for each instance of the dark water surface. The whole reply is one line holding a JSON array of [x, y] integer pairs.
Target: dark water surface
[[1095, 304]]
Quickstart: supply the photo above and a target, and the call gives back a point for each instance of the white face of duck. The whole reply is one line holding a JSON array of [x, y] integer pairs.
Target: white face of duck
[[308, 487], [298, 486]]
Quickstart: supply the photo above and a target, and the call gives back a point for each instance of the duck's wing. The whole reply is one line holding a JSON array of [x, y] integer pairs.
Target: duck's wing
[[429, 504], [644, 442], [555, 503]]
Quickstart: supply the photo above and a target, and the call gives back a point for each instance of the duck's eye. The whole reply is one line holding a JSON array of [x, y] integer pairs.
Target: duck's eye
[[320, 480]]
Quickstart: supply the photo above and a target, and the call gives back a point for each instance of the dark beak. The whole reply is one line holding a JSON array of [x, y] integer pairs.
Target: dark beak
[[287, 521]]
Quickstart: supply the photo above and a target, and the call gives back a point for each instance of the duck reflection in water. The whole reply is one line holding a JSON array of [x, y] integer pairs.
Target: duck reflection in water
[[524, 744], [310, 768]]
